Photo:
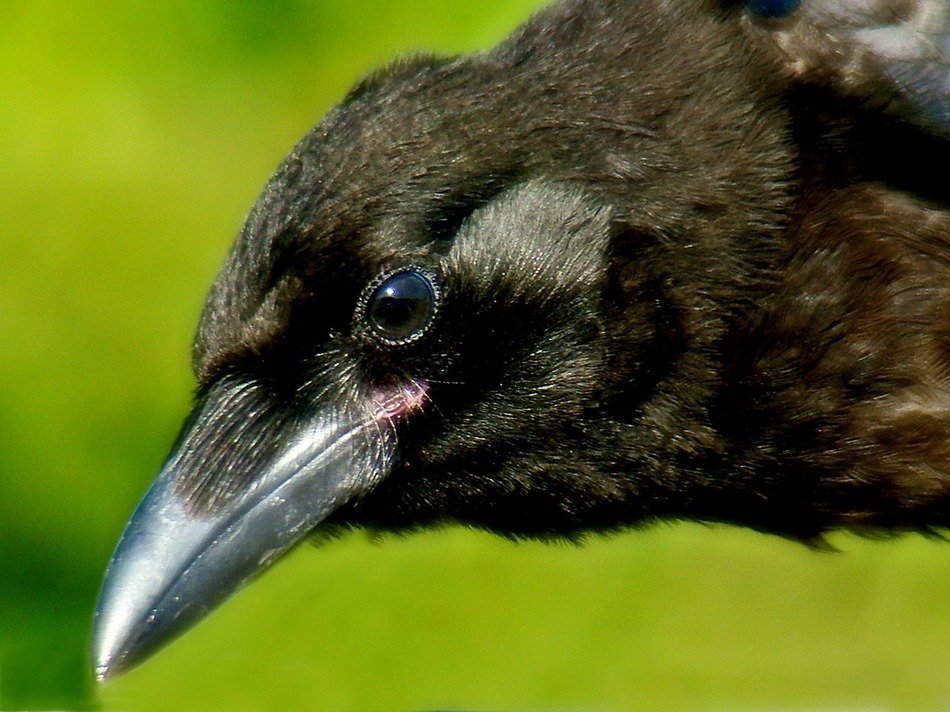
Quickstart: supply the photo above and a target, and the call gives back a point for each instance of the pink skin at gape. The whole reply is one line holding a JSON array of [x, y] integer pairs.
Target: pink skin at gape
[[394, 404]]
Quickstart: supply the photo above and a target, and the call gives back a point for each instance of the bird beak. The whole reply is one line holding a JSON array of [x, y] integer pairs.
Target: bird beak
[[242, 485]]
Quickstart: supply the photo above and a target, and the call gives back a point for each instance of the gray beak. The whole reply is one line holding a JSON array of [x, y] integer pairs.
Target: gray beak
[[244, 483]]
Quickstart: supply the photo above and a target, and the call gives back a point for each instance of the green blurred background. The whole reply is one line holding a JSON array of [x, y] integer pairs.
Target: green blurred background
[[133, 138]]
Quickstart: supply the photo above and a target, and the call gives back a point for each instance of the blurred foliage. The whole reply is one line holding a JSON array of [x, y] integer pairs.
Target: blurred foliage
[[133, 137]]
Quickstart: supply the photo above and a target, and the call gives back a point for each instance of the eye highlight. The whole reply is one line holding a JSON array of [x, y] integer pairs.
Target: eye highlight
[[400, 307]]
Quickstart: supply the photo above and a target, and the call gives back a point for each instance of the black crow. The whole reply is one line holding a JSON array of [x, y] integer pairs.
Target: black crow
[[678, 259]]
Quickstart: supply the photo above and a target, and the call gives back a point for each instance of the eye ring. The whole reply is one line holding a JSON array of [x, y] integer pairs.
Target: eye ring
[[400, 305]]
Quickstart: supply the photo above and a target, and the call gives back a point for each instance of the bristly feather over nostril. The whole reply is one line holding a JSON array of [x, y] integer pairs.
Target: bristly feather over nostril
[[234, 434]]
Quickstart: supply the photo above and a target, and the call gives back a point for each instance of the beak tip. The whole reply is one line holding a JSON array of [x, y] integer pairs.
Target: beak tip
[[112, 646], [102, 673], [110, 664], [104, 662]]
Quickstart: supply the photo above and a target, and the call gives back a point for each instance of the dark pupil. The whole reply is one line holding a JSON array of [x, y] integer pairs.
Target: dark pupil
[[402, 306]]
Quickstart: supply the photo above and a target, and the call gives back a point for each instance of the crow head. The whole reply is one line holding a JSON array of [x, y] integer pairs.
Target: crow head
[[492, 289]]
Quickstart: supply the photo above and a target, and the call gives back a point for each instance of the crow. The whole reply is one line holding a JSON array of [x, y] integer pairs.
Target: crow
[[642, 260]]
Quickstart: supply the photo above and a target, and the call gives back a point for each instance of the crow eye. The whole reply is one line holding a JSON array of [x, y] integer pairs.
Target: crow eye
[[402, 306]]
